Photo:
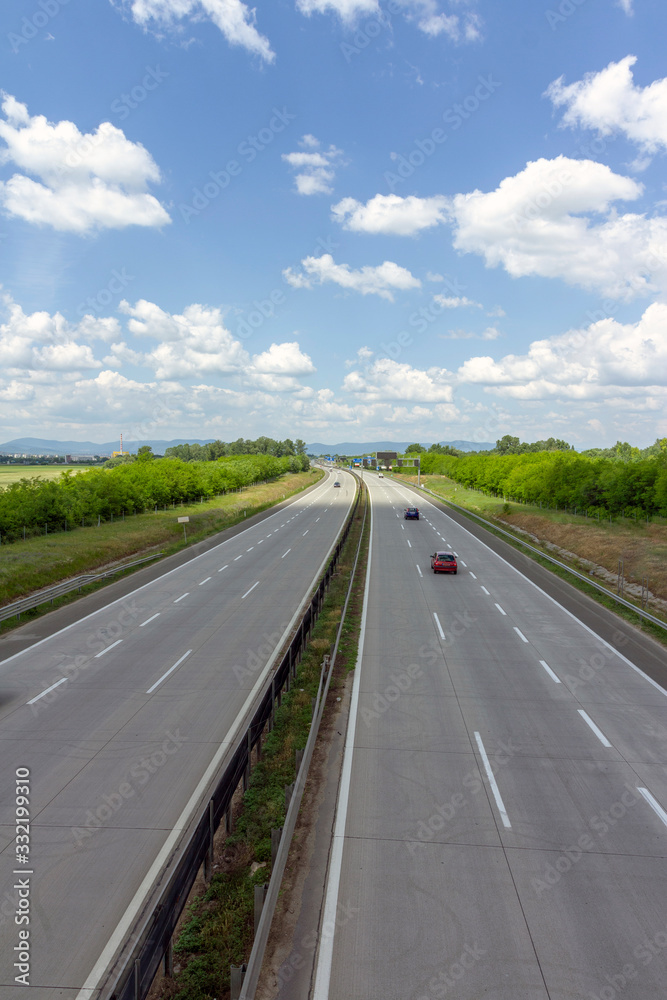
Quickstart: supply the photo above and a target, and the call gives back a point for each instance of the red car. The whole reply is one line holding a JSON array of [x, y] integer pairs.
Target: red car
[[444, 562]]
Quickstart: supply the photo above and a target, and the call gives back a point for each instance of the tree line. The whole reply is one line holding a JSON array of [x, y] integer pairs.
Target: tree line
[[35, 505], [564, 479], [242, 446]]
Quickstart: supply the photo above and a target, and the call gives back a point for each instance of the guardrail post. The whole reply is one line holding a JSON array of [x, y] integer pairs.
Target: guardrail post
[[260, 896], [228, 819], [289, 789], [168, 967], [208, 859], [276, 834], [298, 758], [237, 972], [137, 979]]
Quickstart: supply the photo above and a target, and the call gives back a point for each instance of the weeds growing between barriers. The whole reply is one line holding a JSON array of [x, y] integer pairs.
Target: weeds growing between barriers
[[217, 929]]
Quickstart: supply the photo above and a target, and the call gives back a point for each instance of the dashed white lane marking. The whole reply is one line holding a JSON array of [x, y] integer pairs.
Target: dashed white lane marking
[[654, 804], [250, 549], [409, 543], [419, 571], [223, 567], [260, 541], [305, 532], [285, 553], [181, 597], [486, 591], [97, 655], [463, 564], [501, 610], [151, 619], [48, 690], [473, 575], [598, 732], [548, 669], [250, 591], [494, 786], [520, 634], [236, 558], [437, 622], [165, 675], [204, 581]]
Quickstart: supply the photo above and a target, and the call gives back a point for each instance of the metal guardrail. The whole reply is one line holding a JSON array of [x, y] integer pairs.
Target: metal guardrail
[[543, 555], [141, 956], [16, 609]]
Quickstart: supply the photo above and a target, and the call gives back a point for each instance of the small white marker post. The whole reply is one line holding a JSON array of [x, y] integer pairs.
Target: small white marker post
[[184, 521]]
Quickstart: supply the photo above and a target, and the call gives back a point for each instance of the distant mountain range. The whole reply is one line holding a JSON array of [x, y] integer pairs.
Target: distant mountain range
[[42, 446], [366, 447]]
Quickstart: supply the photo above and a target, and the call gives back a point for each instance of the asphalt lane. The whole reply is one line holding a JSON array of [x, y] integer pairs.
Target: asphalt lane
[[124, 718], [505, 829]]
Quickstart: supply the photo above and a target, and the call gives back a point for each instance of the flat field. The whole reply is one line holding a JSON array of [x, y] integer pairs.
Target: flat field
[[27, 566], [13, 473]]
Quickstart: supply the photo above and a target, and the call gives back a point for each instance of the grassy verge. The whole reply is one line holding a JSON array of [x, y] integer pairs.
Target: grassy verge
[[217, 929], [14, 473], [581, 543], [40, 562]]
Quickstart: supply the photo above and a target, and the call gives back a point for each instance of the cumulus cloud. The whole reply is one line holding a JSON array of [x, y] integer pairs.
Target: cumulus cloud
[[390, 214], [456, 302], [85, 181], [43, 342], [315, 167], [385, 379], [611, 103], [584, 364], [544, 221], [381, 280], [283, 359], [235, 19]]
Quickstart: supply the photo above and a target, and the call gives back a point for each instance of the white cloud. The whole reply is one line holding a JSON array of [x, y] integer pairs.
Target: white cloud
[[315, 169], [582, 364], [539, 222], [426, 13], [283, 359], [86, 181], [610, 102], [390, 214], [456, 302], [42, 342], [491, 333], [235, 19], [381, 280], [386, 379]]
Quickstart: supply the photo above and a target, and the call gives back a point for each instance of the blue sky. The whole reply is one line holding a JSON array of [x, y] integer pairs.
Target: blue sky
[[333, 219]]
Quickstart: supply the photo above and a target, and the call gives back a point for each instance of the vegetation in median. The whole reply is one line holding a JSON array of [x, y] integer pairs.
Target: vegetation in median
[[217, 930]]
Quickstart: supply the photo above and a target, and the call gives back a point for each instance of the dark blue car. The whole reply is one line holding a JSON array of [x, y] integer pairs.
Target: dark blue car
[[411, 514]]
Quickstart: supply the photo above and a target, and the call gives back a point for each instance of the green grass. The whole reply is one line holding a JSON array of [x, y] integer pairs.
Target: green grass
[[217, 931], [40, 562]]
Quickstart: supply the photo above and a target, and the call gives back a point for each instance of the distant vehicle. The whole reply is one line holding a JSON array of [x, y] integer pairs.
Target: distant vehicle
[[336, 483], [411, 513], [444, 562], [380, 476]]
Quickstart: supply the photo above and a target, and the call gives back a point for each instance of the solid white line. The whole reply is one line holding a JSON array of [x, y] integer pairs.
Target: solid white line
[[501, 610], [97, 655], [437, 622], [153, 686], [492, 782], [520, 634], [409, 543], [204, 581], [181, 597], [654, 804], [223, 567], [552, 675], [600, 735], [419, 571], [249, 591], [236, 558], [473, 575], [325, 955], [285, 553], [57, 684], [486, 591], [152, 619]]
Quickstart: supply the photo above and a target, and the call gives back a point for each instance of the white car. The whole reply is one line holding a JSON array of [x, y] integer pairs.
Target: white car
[[380, 475]]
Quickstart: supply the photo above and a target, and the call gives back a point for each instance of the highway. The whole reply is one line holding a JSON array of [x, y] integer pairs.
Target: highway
[[501, 826], [123, 719]]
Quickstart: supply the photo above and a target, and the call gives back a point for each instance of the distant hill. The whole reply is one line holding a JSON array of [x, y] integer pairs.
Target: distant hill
[[366, 448], [41, 446]]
